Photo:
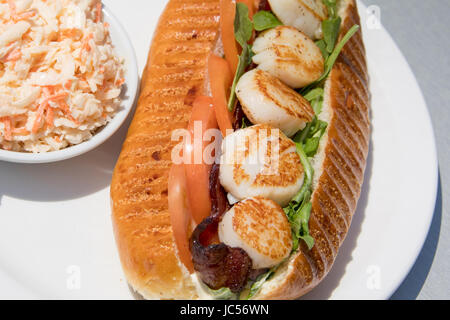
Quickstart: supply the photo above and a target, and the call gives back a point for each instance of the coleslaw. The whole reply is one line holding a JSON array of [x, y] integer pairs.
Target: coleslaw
[[60, 79]]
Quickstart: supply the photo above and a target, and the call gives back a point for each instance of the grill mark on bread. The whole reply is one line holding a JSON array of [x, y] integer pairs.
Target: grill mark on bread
[[206, 34], [354, 59], [351, 153], [341, 180], [325, 200], [196, 7], [328, 225], [187, 20], [342, 133], [348, 173], [322, 246], [344, 161], [342, 206]]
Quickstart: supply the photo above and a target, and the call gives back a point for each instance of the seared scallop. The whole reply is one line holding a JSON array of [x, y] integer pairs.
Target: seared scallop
[[260, 161], [260, 227], [289, 55], [267, 100], [304, 15]]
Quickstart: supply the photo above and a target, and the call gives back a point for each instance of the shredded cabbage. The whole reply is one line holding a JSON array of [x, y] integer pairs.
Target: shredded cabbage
[[60, 79]]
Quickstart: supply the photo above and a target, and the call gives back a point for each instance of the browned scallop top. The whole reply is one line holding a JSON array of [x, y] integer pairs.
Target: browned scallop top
[[268, 151], [263, 225], [310, 8], [283, 96], [297, 55]]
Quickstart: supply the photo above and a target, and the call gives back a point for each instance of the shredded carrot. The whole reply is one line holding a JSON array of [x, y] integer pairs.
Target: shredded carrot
[[68, 84], [56, 97], [24, 16], [49, 117], [85, 44], [120, 82], [98, 16], [17, 17], [106, 24], [14, 55], [40, 114], [7, 123], [20, 131], [72, 33], [58, 138], [65, 108], [47, 90]]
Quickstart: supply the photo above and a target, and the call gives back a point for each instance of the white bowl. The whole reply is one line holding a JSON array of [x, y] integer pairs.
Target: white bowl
[[124, 48]]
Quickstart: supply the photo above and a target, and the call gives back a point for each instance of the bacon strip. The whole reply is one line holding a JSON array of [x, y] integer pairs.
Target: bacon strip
[[217, 264]]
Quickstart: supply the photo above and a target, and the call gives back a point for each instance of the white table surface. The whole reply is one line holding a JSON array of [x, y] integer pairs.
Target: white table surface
[[420, 30]]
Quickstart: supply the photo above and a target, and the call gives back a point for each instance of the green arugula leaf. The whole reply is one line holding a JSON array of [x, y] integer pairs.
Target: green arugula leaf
[[308, 240], [243, 26], [295, 242], [243, 30], [244, 123], [250, 55], [264, 20], [330, 30], [299, 210], [315, 97], [317, 105], [310, 136], [256, 286], [337, 50], [323, 48], [329, 63], [302, 135], [221, 294], [311, 146], [332, 7], [309, 172], [242, 65], [314, 94]]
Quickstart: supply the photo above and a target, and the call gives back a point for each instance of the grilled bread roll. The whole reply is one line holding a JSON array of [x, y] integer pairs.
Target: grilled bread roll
[[176, 72]]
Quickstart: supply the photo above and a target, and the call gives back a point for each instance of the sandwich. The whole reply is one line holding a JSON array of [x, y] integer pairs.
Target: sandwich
[[244, 162]]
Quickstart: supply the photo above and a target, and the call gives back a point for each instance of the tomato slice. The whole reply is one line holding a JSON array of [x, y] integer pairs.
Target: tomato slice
[[180, 215], [198, 167], [227, 16], [230, 46], [220, 78], [250, 6]]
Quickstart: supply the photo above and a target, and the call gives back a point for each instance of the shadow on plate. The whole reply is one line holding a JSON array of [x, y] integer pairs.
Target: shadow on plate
[[65, 180], [325, 289], [412, 285], [135, 294]]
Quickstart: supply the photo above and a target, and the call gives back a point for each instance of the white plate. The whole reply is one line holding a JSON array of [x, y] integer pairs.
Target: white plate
[[56, 238], [124, 49]]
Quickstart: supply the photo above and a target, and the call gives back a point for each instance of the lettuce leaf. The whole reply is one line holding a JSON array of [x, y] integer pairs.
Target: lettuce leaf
[[243, 31], [264, 20]]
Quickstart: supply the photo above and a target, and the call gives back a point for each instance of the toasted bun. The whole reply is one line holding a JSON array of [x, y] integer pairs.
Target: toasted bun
[[175, 74]]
